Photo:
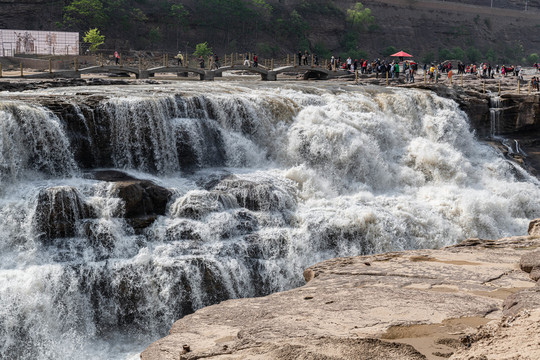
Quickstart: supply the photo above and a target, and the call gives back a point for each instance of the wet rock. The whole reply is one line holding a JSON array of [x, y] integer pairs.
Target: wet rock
[[331, 237], [197, 204], [57, 211], [100, 239], [519, 112], [185, 229], [247, 222], [143, 202], [79, 122], [199, 144], [257, 196], [33, 84], [109, 175], [141, 222], [142, 198]]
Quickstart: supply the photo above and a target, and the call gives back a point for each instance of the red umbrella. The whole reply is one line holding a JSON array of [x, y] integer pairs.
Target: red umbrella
[[402, 54]]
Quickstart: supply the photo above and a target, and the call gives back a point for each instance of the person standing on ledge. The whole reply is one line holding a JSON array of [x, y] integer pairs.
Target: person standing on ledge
[[246, 61], [255, 60], [116, 57], [201, 62]]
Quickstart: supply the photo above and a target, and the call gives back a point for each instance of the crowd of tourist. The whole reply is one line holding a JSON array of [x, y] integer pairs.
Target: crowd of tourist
[[392, 69], [433, 71]]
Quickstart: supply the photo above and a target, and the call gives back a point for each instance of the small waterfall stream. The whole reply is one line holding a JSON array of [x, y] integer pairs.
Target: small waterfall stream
[[511, 145], [121, 213]]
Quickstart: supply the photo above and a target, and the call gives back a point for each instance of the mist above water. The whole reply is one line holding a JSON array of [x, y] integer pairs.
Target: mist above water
[[264, 182]]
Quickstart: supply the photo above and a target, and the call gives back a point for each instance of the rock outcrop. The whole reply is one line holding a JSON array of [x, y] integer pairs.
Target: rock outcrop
[[423, 304], [143, 201], [57, 211]]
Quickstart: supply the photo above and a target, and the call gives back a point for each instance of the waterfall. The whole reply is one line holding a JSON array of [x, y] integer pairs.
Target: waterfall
[[495, 111], [494, 115], [122, 213], [32, 139]]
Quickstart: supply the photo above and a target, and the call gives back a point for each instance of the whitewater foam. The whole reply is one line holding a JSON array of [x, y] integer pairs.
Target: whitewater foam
[[265, 181]]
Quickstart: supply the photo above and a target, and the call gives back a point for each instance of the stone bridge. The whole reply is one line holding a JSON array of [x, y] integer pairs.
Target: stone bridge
[[266, 74]]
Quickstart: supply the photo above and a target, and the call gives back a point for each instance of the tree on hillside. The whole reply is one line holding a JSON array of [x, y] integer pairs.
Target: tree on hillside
[[179, 16], [154, 35], [94, 38], [359, 16], [84, 14], [295, 27], [263, 8], [227, 17], [125, 17], [203, 50], [263, 11], [473, 54], [389, 50]]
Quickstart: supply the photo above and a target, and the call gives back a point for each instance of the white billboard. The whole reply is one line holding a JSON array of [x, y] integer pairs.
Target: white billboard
[[14, 42]]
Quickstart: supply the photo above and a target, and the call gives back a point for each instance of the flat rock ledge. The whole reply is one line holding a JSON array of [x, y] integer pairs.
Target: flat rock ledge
[[471, 301]]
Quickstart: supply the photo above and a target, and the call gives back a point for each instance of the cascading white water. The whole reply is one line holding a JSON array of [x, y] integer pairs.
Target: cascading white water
[[264, 183], [494, 115], [32, 139]]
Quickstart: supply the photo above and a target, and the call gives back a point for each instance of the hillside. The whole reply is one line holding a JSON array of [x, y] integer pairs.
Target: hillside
[[430, 30]]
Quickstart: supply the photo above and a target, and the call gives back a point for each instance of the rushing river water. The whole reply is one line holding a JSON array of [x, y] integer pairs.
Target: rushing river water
[[263, 181]]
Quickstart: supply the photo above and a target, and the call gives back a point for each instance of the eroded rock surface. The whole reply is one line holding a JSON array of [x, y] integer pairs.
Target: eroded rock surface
[[407, 305], [57, 211]]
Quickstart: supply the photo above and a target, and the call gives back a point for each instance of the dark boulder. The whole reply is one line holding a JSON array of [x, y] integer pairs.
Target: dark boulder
[[109, 175], [57, 211], [143, 201]]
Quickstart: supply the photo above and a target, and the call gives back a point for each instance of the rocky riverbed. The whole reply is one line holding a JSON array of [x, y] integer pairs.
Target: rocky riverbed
[[479, 299]]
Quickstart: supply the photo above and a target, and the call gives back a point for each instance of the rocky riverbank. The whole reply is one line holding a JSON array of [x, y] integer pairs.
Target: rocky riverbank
[[13, 85], [479, 299]]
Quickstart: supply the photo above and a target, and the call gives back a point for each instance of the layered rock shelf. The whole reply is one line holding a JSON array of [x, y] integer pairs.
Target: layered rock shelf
[[477, 300]]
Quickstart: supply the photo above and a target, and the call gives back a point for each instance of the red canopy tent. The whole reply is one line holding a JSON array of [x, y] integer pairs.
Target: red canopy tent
[[402, 54]]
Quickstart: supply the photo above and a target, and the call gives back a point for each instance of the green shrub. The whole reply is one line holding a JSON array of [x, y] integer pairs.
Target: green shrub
[[203, 50], [428, 57], [389, 51]]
